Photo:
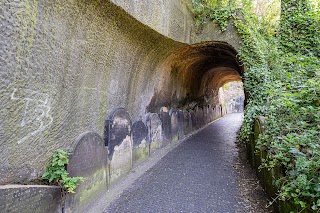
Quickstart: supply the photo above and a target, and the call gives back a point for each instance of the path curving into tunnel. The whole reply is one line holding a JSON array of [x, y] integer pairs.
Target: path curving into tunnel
[[193, 74], [197, 176]]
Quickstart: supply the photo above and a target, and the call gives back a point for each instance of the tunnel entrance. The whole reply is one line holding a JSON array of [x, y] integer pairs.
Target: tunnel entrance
[[231, 97], [193, 75]]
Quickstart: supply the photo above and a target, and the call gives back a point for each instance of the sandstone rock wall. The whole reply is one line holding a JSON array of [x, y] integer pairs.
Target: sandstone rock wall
[[64, 65], [172, 19]]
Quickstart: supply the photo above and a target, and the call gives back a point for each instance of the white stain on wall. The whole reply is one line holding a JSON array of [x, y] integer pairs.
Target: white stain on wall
[[36, 111]]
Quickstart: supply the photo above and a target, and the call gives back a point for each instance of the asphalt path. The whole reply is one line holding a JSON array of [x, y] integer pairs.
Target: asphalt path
[[196, 176]]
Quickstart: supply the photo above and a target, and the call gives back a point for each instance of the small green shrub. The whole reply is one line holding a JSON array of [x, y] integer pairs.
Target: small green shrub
[[56, 172]]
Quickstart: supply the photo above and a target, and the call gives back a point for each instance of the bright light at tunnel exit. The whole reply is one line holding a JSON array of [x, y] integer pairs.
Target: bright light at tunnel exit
[[231, 97]]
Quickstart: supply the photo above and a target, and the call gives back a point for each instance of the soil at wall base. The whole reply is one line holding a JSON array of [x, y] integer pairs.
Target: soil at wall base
[[253, 196]]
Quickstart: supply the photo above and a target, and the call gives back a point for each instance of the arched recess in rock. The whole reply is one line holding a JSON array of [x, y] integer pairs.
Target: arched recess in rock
[[193, 74]]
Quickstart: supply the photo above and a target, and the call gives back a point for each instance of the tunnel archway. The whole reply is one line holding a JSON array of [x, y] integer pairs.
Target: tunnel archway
[[193, 74]]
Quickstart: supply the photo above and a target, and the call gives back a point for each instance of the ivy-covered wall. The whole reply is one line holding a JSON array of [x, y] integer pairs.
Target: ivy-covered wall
[[281, 79]]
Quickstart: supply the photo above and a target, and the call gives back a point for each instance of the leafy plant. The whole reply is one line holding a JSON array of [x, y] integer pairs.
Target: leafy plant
[[282, 82], [56, 172], [214, 11]]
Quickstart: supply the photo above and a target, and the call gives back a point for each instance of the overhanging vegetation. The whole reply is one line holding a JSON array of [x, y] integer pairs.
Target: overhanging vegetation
[[282, 83]]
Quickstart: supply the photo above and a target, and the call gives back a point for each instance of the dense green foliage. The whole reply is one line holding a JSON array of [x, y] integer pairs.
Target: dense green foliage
[[57, 173], [282, 81], [215, 11]]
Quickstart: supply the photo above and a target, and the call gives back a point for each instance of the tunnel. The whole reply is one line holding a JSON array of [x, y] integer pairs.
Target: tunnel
[[193, 74]]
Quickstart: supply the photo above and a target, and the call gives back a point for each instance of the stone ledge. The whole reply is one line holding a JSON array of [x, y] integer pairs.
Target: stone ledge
[[30, 199]]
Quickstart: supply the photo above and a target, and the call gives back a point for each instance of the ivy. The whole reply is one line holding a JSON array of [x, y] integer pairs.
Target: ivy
[[57, 173], [282, 80], [300, 28], [207, 11]]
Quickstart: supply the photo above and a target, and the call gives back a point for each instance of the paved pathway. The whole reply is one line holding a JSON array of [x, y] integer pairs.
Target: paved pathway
[[197, 176]]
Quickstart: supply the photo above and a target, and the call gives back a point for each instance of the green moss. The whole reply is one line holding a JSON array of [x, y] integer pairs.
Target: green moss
[[97, 184], [154, 146], [27, 19], [268, 176], [175, 138], [119, 168], [140, 153]]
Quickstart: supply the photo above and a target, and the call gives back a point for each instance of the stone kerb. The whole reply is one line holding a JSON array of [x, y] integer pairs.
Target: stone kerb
[[140, 141], [30, 199], [174, 125], [88, 160], [154, 132], [119, 141], [166, 125]]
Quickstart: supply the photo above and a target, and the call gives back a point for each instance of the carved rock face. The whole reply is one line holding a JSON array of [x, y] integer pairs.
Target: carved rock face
[[194, 74]]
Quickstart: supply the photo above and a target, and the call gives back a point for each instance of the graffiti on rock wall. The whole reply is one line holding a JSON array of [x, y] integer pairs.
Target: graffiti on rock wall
[[36, 113]]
